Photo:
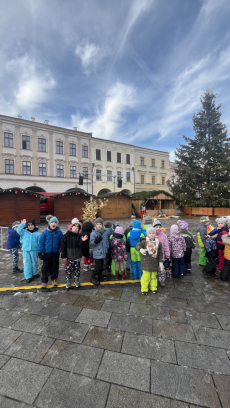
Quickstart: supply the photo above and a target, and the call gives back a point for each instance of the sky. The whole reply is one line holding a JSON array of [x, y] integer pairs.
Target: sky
[[131, 71]]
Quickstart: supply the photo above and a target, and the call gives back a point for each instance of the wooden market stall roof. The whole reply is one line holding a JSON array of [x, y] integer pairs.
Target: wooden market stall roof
[[165, 202], [17, 203], [119, 206], [70, 203]]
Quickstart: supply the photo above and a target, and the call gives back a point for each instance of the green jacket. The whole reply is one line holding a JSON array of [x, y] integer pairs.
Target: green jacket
[[148, 262]]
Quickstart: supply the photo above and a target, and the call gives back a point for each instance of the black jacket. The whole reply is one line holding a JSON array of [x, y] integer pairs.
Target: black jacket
[[87, 228], [188, 238], [70, 246]]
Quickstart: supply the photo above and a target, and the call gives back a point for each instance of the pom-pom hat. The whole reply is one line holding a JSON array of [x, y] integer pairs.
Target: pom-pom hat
[[53, 219]]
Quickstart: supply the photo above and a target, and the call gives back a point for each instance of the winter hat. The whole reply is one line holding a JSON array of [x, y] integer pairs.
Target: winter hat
[[119, 230], [182, 224], [136, 224], [213, 232], [108, 224], [48, 217], [204, 218], [228, 220], [148, 219], [31, 222], [77, 224], [87, 226], [221, 220], [99, 221], [174, 229], [54, 219], [156, 222], [150, 229], [74, 221], [15, 224]]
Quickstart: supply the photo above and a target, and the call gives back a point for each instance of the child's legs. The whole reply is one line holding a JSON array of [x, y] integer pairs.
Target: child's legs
[[54, 265], [175, 269], [221, 259], [181, 266], [161, 274], [34, 263], [77, 268], [14, 255], [134, 269], [139, 270], [27, 261], [203, 259], [69, 269], [117, 265], [153, 281], [187, 259], [224, 274], [46, 268], [128, 261], [145, 280], [87, 260], [122, 265], [98, 267]]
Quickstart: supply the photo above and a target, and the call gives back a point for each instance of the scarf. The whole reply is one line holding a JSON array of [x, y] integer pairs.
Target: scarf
[[152, 247]]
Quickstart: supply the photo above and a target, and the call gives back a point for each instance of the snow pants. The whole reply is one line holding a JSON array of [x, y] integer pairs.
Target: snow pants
[[221, 259], [128, 261], [187, 260], [14, 255], [30, 263], [224, 274], [178, 267], [210, 268], [148, 281], [50, 266], [73, 267], [202, 259], [136, 269]]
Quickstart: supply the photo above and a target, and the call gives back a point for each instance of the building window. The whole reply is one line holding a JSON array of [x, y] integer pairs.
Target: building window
[[9, 166], [153, 180], [42, 169], [72, 171], [127, 158], [26, 142], [142, 179], [128, 176], [84, 151], [109, 156], [72, 149], [59, 147], [118, 175], [118, 157], [60, 170], [98, 154], [109, 175], [162, 164], [8, 139], [153, 162], [26, 167], [98, 173], [142, 161], [41, 145], [163, 181], [85, 172]]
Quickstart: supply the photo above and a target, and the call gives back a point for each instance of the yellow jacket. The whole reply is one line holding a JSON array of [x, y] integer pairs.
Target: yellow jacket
[[226, 242]]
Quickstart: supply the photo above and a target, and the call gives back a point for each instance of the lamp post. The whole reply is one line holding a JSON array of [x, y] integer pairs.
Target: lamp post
[[92, 177], [133, 169]]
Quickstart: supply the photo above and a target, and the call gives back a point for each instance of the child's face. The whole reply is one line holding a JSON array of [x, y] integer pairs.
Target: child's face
[[99, 226], [53, 225], [15, 228], [151, 235], [75, 228], [30, 227], [220, 225], [158, 228]]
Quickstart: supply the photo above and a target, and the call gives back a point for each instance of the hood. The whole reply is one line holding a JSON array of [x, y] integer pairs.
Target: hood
[[226, 239], [159, 233], [135, 233], [34, 230], [177, 236], [116, 235], [87, 226]]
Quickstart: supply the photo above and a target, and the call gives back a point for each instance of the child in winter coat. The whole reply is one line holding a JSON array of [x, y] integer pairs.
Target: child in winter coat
[[87, 228], [222, 230], [177, 248], [224, 274], [71, 250], [109, 228], [211, 254], [147, 221], [201, 236], [99, 242], [13, 244], [118, 252], [48, 250], [151, 258], [133, 238], [29, 238], [166, 252], [190, 244], [128, 269]]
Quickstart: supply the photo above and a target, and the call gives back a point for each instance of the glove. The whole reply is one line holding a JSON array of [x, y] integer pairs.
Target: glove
[[143, 251], [98, 239], [41, 255]]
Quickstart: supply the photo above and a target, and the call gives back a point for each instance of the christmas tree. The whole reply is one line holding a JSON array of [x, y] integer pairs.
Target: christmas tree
[[203, 163], [91, 209]]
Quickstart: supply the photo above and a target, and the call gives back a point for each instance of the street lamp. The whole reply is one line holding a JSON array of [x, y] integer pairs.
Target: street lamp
[[133, 169], [92, 176]]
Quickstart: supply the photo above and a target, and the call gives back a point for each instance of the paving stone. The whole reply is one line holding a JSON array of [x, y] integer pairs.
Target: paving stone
[[206, 307], [9, 403], [3, 360], [224, 321], [149, 347], [87, 292], [9, 317], [68, 390], [150, 311], [23, 380], [11, 301], [89, 302], [121, 397], [73, 357], [222, 383], [7, 337], [30, 347], [115, 306], [203, 357], [65, 312], [217, 297], [104, 338], [182, 285], [110, 293], [134, 297], [32, 323], [213, 337], [63, 297], [94, 317], [169, 302], [131, 323], [65, 330], [184, 384], [185, 294], [133, 372], [32, 307], [197, 319], [173, 331], [178, 316]]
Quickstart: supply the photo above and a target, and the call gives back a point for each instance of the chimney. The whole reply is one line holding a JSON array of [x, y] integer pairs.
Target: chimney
[[74, 128], [46, 122], [19, 117], [33, 119]]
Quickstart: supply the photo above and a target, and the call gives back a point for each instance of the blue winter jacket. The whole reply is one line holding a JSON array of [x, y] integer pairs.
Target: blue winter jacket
[[99, 250], [13, 239], [50, 241], [28, 239]]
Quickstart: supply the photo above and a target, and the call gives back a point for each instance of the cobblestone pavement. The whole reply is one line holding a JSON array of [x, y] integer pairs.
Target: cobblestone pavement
[[114, 348]]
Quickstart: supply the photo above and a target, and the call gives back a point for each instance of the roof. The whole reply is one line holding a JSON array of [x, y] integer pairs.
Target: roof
[[73, 192], [113, 194], [143, 195], [16, 190]]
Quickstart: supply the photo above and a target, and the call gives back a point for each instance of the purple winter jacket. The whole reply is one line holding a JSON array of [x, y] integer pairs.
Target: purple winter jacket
[[177, 245]]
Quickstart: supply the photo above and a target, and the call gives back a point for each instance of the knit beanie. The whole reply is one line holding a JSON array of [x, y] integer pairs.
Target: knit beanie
[[174, 229], [228, 220], [148, 219], [99, 221], [31, 222], [150, 229], [119, 230], [108, 224], [136, 224], [156, 222], [74, 221], [221, 220], [213, 232], [54, 219], [204, 218], [48, 217], [15, 224], [182, 224]]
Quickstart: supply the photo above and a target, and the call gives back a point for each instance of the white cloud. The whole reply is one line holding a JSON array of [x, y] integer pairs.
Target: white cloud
[[90, 54], [107, 122]]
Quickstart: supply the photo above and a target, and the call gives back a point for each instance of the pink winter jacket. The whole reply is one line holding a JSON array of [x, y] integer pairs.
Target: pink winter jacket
[[165, 245], [177, 245]]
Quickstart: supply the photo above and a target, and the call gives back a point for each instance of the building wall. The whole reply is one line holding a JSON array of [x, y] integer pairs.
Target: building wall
[[172, 174]]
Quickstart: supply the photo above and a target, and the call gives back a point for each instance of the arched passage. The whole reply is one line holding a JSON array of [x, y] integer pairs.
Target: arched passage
[[36, 189], [126, 191], [80, 190], [104, 191]]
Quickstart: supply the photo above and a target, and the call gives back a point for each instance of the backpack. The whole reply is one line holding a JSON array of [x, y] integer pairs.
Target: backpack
[[210, 243]]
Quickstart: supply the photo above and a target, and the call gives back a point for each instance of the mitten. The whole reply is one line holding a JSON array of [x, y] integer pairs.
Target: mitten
[[143, 251], [98, 239]]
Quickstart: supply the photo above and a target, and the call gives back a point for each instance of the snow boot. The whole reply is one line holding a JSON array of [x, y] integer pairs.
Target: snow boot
[[123, 275], [77, 282], [68, 283]]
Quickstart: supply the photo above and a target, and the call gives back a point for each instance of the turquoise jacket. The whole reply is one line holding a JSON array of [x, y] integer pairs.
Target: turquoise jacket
[[28, 239]]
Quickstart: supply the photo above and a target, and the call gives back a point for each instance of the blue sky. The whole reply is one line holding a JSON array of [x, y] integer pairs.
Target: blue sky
[[130, 71]]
